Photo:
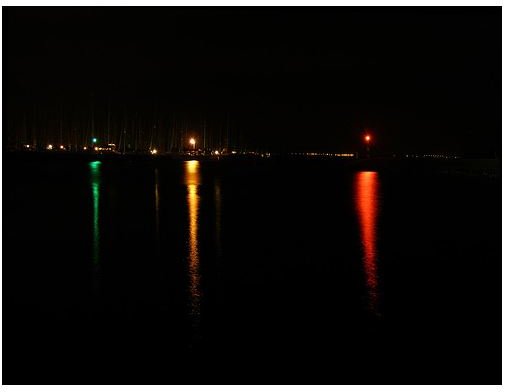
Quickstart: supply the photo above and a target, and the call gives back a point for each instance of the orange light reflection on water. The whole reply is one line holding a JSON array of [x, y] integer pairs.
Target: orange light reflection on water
[[157, 207], [366, 202], [217, 228], [192, 180]]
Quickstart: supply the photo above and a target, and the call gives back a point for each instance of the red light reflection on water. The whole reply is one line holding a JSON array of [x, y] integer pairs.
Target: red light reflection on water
[[366, 202]]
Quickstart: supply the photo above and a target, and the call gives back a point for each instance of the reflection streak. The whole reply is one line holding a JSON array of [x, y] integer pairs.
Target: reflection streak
[[192, 180], [217, 205], [157, 210], [95, 188], [366, 199]]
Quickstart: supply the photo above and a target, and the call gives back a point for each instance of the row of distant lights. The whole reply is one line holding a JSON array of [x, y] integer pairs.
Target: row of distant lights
[[260, 154], [109, 147], [49, 147], [431, 156], [154, 151], [323, 154]]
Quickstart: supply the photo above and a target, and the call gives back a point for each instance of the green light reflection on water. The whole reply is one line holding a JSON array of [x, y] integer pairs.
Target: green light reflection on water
[[95, 188]]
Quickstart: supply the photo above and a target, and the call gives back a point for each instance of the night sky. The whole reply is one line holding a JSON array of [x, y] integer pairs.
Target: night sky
[[286, 79]]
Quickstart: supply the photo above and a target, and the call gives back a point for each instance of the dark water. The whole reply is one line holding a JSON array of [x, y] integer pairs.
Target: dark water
[[248, 272]]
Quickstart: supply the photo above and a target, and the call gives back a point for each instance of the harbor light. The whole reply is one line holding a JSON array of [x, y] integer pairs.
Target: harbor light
[[154, 151], [50, 147], [94, 140], [216, 152], [61, 147], [193, 142], [85, 148], [367, 139]]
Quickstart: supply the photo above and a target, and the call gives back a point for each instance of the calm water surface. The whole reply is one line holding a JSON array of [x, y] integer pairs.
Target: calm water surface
[[248, 272]]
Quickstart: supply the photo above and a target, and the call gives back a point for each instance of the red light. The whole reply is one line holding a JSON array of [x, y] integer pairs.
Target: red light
[[367, 138]]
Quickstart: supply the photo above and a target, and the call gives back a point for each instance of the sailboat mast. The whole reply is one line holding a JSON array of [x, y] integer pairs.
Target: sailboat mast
[[109, 121], [92, 118], [61, 125], [205, 145]]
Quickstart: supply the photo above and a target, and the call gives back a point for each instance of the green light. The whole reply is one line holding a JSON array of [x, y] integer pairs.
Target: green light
[[95, 189], [94, 140]]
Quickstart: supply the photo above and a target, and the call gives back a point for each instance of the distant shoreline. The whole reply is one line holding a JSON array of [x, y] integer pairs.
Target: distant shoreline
[[484, 167]]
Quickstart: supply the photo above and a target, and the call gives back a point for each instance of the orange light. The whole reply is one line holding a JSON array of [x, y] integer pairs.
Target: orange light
[[367, 138], [193, 141]]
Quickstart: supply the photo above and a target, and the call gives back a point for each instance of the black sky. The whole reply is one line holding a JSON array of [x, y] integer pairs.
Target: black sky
[[422, 79]]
